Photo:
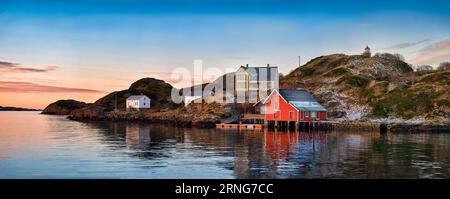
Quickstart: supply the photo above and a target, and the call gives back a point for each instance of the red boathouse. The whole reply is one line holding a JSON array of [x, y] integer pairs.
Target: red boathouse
[[288, 107]]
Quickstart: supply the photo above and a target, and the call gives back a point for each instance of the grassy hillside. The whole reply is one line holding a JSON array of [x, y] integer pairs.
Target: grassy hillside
[[355, 87]]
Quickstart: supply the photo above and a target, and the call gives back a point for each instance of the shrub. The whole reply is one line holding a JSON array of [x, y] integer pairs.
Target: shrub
[[308, 71], [444, 66], [354, 80], [390, 56], [336, 72], [424, 68]]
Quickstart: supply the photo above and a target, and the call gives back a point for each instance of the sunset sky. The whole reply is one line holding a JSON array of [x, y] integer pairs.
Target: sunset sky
[[82, 50]]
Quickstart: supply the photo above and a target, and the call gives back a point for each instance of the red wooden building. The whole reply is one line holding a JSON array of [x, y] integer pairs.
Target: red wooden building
[[291, 106]]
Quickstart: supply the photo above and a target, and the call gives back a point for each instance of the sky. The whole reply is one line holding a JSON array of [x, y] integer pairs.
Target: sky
[[82, 50]]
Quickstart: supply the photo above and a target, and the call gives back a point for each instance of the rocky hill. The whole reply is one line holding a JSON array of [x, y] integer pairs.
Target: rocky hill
[[63, 107], [157, 90], [356, 87], [162, 110]]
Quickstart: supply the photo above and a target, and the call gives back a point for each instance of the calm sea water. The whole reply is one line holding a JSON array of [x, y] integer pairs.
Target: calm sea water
[[42, 146]]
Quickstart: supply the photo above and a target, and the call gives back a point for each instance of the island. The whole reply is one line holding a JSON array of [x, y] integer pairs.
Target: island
[[353, 88], [9, 108]]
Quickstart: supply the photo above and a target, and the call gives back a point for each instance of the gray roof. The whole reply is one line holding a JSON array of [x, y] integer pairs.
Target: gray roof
[[301, 99], [311, 108], [296, 95], [136, 97]]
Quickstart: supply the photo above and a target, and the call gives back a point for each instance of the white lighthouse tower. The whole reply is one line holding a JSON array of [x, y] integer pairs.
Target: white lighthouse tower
[[366, 52]]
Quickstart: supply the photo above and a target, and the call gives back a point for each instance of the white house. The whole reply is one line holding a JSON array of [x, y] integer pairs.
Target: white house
[[251, 80], [138, 102]]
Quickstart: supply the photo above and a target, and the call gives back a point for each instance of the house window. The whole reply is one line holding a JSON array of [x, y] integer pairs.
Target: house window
[[291, 115], [301, 116], [274, 115], [313, 115]]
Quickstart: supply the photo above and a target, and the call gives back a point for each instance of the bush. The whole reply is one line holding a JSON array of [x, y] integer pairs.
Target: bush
[[354, 80], [308, 71], [336, 72], [424, 68], [404, 103], [444, 66], [379, 110], [390, 56]]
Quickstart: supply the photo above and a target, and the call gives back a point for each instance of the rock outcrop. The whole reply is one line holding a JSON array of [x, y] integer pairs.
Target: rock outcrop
[[63, 107], [195, 115], [90, 112]]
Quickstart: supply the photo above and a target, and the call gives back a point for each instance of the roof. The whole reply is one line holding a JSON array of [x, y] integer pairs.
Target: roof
[[301, 100], [308, 106], [136, 97], [296, 95], [265, 71]]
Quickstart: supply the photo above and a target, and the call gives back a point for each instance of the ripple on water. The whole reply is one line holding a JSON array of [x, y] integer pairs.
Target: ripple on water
[[41, 146]]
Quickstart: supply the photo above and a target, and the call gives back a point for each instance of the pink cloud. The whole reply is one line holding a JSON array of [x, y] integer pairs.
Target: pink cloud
[[434, 54], [27, 87], [405, 45], [17, 68]]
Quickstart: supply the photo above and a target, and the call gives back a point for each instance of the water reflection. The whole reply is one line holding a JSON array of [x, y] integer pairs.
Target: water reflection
[[275, 154], [137, 136], [56, 147]]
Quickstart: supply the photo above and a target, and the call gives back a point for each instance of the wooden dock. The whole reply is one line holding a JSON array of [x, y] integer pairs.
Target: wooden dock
[[310, 126], [240, 126]]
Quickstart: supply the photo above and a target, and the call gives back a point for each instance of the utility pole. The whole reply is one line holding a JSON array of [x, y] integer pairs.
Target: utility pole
[[299, 63]]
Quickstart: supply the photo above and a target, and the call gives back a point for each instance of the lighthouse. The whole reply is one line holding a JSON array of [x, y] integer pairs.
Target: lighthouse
[[366, 52]]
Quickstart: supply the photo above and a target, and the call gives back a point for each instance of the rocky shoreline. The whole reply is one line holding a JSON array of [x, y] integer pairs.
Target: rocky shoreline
[[186, 120], [208, 115], [195, 115], [169, 118], [418, 128]]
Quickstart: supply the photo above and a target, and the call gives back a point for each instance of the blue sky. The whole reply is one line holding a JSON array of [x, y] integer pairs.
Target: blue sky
[[127, 40]]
